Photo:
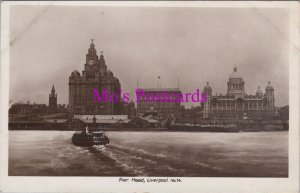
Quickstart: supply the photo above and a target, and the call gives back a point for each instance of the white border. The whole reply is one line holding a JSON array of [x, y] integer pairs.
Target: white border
[[111, 184]]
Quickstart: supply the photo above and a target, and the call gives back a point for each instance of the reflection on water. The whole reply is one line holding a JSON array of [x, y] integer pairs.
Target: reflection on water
[[51, 153]]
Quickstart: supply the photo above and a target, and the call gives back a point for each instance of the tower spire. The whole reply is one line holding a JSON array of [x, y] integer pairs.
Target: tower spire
[[52, 100], [92, 45], [53, 89], [92, 53], [101, 56]]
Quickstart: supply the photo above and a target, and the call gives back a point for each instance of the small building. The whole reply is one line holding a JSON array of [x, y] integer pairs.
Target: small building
[[149, 119], [56, 118], [21, 108]]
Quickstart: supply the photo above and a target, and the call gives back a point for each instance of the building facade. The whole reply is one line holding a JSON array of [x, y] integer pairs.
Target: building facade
[[20, 108], [52, 101], [164, 108], [236, 104], [94, 76]]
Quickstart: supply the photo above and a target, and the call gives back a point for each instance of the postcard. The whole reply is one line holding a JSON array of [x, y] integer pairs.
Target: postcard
[[149, 96]]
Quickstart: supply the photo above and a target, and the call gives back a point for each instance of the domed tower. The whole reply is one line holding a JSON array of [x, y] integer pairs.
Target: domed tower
[[91, 56], [101, 59], [270, 97], [74, 91], [236, 85], [52, 100], [75, 74], [206, 106], [259, 92], [207, 90]]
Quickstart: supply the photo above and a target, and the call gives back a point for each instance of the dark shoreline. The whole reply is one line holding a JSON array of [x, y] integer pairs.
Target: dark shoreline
[[153, 130]]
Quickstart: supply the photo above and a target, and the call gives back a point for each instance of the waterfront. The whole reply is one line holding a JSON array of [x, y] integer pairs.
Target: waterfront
[[195, 154]]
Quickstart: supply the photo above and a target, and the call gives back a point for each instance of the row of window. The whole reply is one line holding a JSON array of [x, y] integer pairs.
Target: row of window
[[236, 86], [158, 105], [232, 106]]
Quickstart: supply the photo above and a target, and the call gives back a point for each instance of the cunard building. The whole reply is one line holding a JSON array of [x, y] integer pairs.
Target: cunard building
[[236, 104], [94, 76]]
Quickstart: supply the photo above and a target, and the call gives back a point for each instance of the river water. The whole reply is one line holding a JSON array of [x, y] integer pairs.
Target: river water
[[181, 154]]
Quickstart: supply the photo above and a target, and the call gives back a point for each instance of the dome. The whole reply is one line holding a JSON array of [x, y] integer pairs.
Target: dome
[[110, 72], [92, 45], [101, 55], [75, 73], [235, 74]]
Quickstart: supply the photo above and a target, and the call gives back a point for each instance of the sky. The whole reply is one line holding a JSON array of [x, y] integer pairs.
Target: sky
[[194, 45]]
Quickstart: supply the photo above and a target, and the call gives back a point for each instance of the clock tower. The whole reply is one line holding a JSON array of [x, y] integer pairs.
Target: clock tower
[[52, 101], [95, 75], [91, 56]]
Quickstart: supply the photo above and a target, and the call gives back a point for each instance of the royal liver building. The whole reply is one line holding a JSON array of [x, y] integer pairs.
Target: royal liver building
[[94, 76], [236, 104]]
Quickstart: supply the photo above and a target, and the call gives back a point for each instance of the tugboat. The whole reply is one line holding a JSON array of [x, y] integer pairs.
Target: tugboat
[[89, 138]]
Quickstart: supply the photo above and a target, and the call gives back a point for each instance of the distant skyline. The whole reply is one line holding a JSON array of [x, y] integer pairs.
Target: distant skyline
[[195, 45]]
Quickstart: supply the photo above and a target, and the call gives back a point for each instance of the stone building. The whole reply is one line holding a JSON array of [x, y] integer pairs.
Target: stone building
[[94, 76], [27, 108], [52, 101], [164, 108], [236, 104]]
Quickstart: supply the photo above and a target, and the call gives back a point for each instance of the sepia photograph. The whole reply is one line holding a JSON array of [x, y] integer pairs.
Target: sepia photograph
[[149, 94]]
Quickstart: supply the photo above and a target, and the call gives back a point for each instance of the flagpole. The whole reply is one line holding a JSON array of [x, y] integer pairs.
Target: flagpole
[[158, 77]]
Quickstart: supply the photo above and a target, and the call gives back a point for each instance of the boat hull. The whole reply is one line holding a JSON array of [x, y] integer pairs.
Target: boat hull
[[88, 140]]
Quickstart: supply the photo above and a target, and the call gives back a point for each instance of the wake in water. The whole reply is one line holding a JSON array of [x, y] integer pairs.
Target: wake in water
[[139, 162], [51, 153]]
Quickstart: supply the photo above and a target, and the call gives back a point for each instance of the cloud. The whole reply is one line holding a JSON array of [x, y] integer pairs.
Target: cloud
[[193, 44]]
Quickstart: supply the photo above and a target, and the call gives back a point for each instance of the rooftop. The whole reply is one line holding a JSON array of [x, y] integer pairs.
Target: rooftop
[[161, 89]]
